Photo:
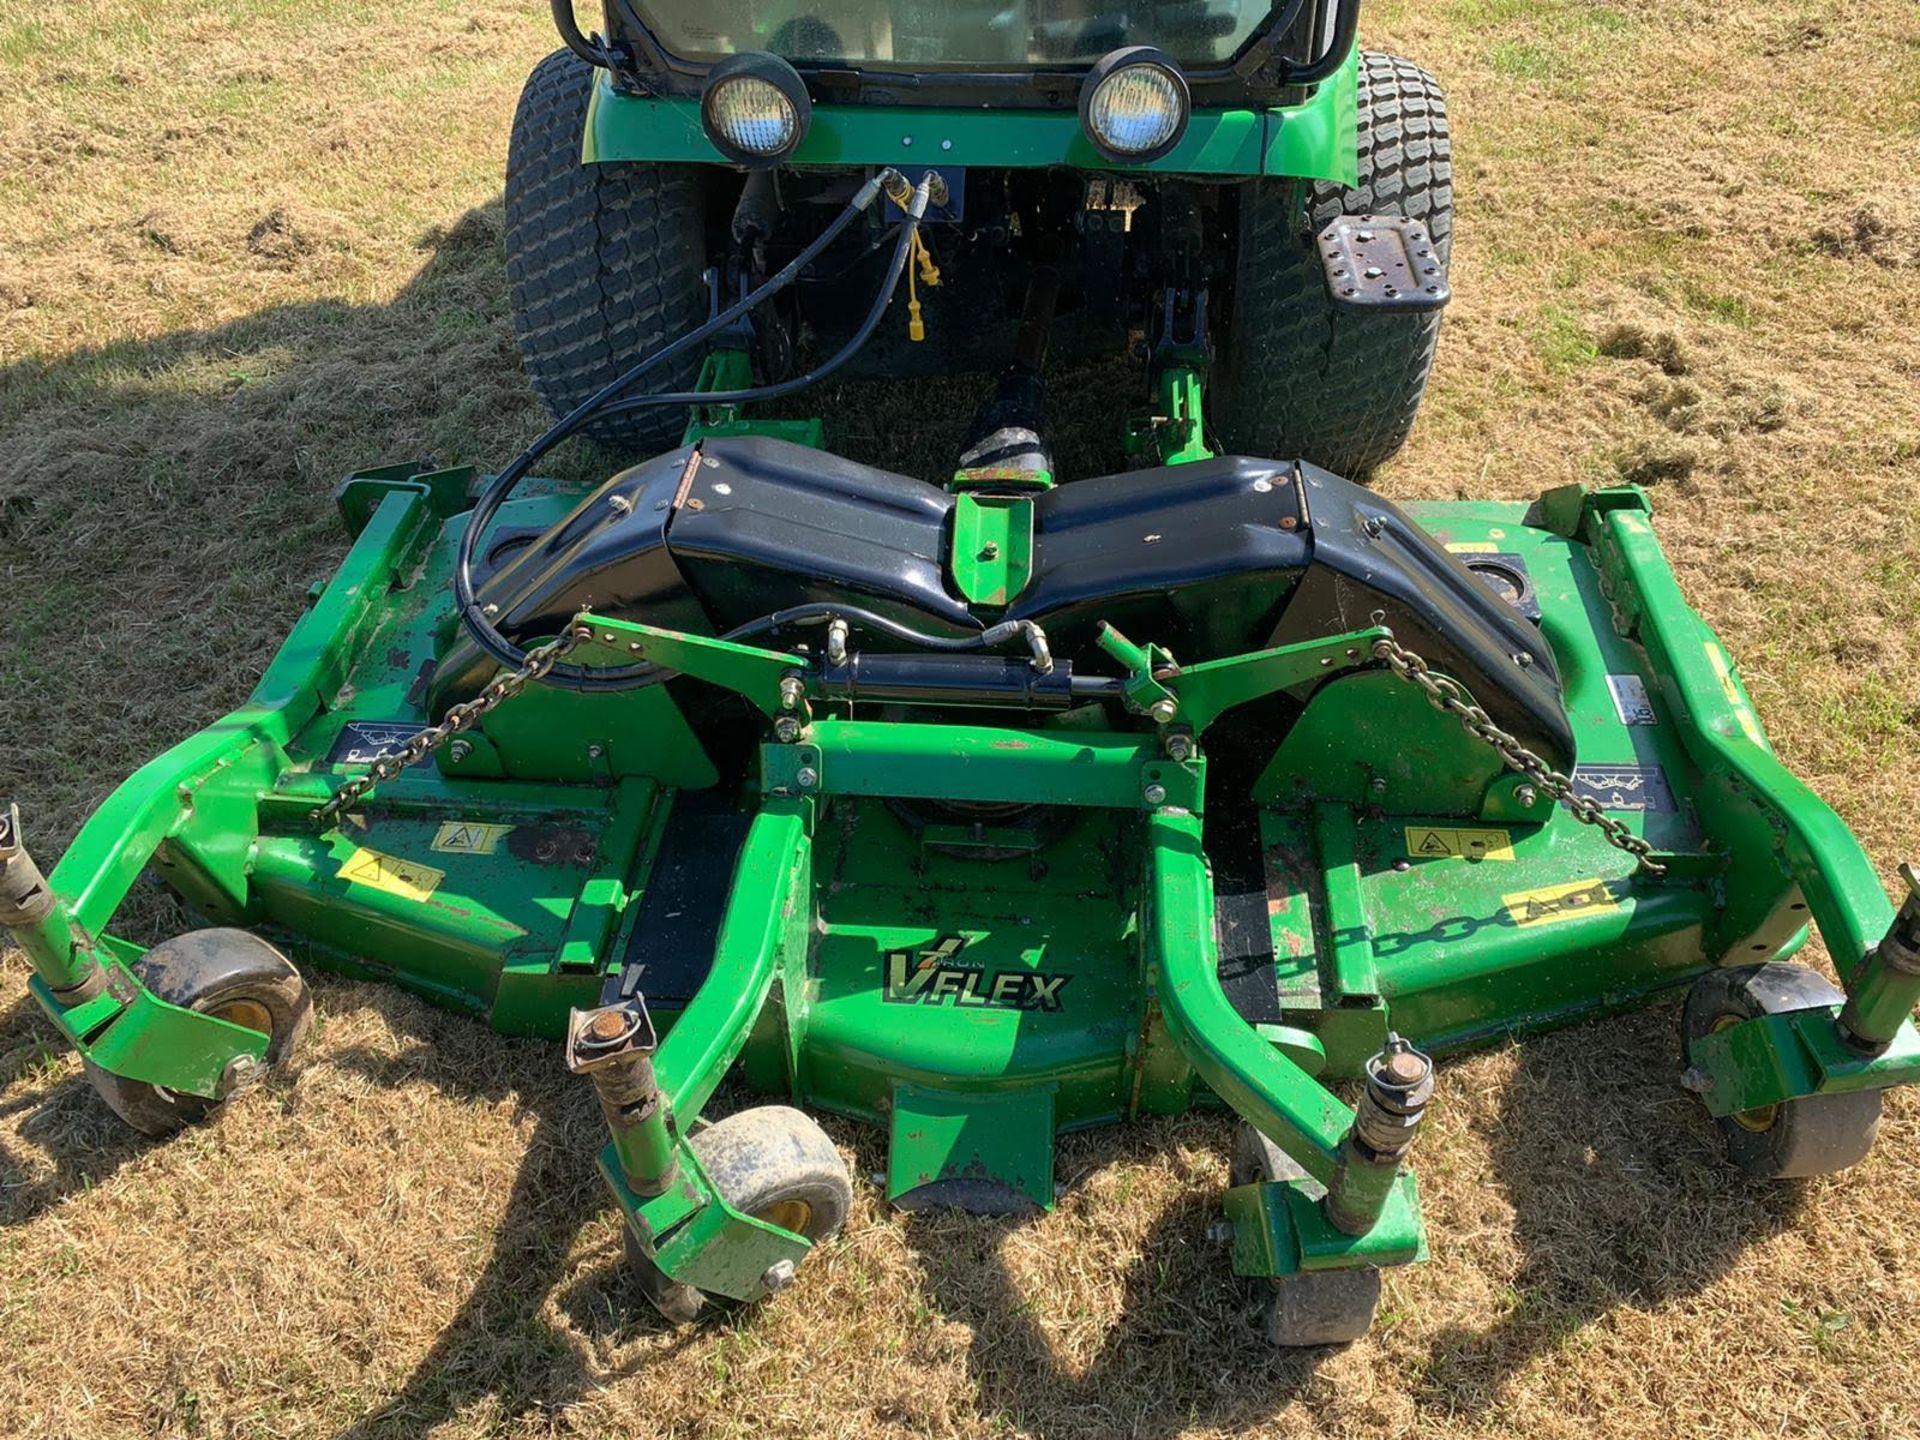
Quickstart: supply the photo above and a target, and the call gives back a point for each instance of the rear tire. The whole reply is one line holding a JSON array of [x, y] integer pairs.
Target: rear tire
[[1298, 378], [604, 261], [1815, 1135], [230, 973], [1310, 1307]]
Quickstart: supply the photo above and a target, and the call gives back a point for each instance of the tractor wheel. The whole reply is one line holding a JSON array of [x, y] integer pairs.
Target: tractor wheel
[[1816, 1135], [773, 1163], [1312, 1307], [1298, 378], [604, 261], [231, 974]]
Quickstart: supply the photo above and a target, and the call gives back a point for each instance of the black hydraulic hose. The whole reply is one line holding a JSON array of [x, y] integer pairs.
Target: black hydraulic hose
[[798, 382], [588, 679]]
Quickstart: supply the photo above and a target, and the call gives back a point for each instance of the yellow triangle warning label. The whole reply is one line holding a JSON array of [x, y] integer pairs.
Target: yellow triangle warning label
[[1431, 843], [466, 837]]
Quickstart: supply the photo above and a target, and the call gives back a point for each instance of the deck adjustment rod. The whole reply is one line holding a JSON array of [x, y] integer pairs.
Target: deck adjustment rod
[[1882, 995], [1399, 1086], [40, 924], [613, 1047]]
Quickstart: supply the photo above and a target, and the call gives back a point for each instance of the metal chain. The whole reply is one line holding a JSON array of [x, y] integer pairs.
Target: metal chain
[[1446, 695], [463, 716]]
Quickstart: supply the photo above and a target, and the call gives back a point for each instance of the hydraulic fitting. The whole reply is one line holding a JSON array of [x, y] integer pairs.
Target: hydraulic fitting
[[613, 1047], [1881, 995], [1399, 1086], [29, 909]]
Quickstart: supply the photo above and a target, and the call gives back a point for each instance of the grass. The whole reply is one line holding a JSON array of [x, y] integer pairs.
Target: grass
[[254, 243]]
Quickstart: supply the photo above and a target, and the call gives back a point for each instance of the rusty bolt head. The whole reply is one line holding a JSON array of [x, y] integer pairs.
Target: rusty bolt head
[[1405, 1068], [607, 1026]]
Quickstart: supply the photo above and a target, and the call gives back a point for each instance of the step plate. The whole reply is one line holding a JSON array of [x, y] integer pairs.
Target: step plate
[[1382, 262]]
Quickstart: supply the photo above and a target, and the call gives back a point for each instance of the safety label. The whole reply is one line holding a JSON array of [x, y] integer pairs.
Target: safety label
[[466, 837], [1624, 787], [377, 870], [1440, 841], [361, 742], [1630, 700], [1552, 903]]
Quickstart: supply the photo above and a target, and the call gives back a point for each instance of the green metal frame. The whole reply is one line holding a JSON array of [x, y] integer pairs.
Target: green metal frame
[[1313, 140], [976, 1009]]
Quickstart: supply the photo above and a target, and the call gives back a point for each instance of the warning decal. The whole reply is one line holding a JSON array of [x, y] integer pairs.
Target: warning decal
[[408, 879], [1630, 700], [1564, 902], [466, 837], [1442, 841]]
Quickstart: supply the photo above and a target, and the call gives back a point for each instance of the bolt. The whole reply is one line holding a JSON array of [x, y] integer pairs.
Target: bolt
[[946, 144], [1154, 794], [1378, 785], [607, 1026], [1163, 711], [596, 751], [990, 551], [1373, 272], [1364, 236], [458, 751], [1179, 748], [1526, 795], [1403, 865], [619, 504], [792, 687], [777, 1277], [1287, 522], [906, 139], [787, 729], [807, 778], [711, 463], [1523, 659], [1261, 487], [722, 488], [1372, 527]]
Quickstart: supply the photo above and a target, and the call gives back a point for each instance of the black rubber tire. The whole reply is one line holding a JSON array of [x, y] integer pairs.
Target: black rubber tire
[[772, 1162], [212, 971], [603, 261], [1297, 378], [1817, 1135], [1313, 1307]]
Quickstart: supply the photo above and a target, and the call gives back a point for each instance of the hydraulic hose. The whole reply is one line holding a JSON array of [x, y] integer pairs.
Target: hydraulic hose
[[588, 679]]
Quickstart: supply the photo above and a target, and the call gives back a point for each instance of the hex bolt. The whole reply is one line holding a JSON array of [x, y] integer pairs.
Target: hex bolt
[[1363, 237], [990, 551], [596, 751], [1179, 748], [1373, 272], [1154, 794], [459, 750], [1378, 785], [1527, 796], [777, 1276], [807, 778], [619, 504], [1163, 711], [792, 688], [786, 729]]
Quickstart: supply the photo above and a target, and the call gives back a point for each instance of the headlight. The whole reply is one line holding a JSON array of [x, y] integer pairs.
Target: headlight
[[1134, 104], [755, 109]]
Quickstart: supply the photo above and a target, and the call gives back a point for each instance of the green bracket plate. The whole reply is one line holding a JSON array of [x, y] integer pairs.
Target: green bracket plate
[[135, 1034], [942, 1137], [745, 669], [1280, 1229], [1776, 1058], [992, 546]]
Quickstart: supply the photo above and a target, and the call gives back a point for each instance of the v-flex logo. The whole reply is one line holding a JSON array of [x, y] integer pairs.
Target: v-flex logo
[[928, 977]]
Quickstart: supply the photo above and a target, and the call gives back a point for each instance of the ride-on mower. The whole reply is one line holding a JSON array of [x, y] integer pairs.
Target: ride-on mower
[[988, 804]]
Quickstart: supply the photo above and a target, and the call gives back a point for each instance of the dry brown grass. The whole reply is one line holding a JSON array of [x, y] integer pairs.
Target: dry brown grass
[[251, 243]]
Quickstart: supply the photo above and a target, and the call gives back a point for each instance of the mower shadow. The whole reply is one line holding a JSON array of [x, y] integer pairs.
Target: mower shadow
[[1621, 1194], [1621, 1199]]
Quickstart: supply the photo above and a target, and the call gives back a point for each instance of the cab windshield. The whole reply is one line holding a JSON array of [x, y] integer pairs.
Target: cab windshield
[[922, 35]]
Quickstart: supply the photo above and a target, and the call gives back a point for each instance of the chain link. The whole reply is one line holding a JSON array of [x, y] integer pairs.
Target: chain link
[[1446, 695], [463, 716]]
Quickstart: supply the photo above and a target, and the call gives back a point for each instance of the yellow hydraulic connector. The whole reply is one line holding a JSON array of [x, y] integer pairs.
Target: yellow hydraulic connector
[[923, 268]]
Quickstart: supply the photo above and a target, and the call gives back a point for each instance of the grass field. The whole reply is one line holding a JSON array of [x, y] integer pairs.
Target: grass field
[[250, 244]]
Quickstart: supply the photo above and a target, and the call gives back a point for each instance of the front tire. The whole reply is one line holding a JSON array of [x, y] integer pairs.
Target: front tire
[[232, 974], [1299, 378], [1814, 1135], [604, 261]]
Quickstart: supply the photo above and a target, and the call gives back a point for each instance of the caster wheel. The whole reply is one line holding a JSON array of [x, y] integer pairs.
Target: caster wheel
[[1816, 1135], [231, 974], [773, 1163], [1313, 1307]]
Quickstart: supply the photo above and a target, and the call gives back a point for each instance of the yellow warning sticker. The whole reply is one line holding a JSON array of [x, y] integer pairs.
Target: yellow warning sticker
[[466, 837], [1742, 711], [1441, 841], [1563, 902], [406, 878], [1474, 547]]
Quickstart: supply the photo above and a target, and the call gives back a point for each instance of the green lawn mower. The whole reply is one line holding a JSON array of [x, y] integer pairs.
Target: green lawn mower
[[994, 803]]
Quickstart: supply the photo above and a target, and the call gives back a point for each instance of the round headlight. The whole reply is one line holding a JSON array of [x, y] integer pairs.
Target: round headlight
[[1134, 104], [755, 109]]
